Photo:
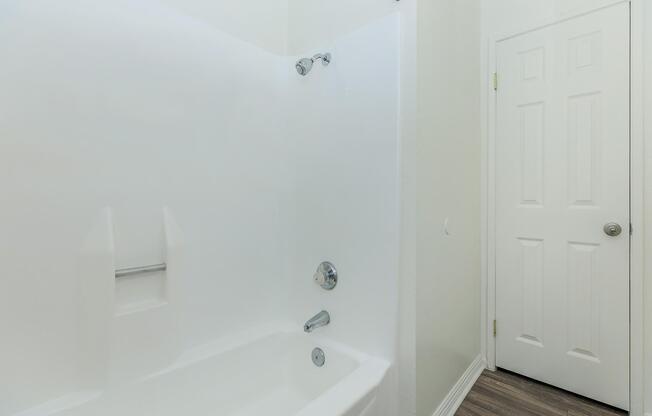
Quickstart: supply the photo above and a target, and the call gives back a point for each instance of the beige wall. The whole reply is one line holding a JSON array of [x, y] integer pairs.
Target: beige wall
[[448, 182], [648, 210], [407, 291]]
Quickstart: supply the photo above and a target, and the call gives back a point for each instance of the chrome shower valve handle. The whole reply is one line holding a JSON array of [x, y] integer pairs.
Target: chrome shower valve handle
[[326, 276]]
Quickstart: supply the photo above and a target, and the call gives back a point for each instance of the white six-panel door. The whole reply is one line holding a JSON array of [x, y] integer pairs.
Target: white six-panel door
[[562, 173]]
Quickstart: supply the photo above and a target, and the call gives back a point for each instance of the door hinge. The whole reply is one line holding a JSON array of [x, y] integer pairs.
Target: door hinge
[[631, 229], [495, 81], [495, 328]]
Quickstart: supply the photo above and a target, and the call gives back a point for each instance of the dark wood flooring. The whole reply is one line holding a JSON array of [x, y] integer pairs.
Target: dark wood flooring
[[507, 394]]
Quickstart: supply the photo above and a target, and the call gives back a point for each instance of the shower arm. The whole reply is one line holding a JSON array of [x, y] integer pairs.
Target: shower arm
[[324, 57]]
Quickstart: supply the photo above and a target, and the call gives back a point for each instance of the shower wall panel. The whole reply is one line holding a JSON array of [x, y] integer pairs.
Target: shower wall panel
[[344, 130], [112, 114]]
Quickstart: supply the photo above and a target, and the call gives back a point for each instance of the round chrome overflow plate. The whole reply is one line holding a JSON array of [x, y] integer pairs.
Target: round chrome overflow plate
[[318, 357]]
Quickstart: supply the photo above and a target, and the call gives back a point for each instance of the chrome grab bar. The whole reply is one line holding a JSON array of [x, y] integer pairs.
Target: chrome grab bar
[[131, 271]]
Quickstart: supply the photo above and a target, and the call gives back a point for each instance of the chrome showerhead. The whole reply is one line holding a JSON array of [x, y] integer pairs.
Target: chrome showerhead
[[304, 66]]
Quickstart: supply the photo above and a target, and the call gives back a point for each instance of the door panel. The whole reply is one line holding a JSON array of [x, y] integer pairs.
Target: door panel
[[562, 173]]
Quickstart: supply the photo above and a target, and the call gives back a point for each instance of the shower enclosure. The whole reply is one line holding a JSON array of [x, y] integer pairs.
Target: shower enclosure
[[171, 183]]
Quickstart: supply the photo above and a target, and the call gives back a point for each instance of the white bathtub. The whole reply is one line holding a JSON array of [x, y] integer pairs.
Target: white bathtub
[[272, 376]]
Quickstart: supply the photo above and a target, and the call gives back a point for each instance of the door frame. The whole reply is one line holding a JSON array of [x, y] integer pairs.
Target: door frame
[[637, 197]]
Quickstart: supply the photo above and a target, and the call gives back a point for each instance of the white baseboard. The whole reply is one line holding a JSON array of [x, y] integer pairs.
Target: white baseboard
[[458, 393]]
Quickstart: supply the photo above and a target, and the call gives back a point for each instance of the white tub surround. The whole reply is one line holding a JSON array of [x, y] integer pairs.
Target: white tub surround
[[246, 375], [176, 132]]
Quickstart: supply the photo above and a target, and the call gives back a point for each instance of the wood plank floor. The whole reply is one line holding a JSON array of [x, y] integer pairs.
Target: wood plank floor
[[507, 394]]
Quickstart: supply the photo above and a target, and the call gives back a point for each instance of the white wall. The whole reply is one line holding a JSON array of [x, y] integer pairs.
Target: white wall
[[344, 125], [134, 107], [317, 22], [345, 142], [263, 23], [315, 26], [448, 187]]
